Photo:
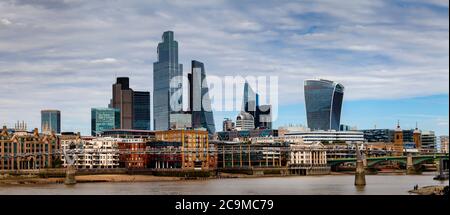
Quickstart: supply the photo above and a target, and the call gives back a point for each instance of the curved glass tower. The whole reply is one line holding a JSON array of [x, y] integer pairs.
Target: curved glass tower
[[323, 100]]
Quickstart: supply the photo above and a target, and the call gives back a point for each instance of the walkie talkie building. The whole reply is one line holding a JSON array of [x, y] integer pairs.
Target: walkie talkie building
[[323, 100]]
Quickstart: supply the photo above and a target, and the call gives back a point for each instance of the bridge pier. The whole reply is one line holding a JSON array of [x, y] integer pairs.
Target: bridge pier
[[70, 175], [360, 174], [410, 168]]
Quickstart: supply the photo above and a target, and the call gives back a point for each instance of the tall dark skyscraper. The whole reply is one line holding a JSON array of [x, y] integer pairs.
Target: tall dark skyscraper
[[200, 103], [141, 110], [164, 70], [51, 121], [323, 100], [122, 99]]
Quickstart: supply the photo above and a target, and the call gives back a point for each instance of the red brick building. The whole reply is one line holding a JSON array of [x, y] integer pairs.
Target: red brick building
[[132, 153]]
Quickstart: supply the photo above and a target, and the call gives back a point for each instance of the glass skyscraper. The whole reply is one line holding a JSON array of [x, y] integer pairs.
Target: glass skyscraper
[[51, 121], [164, 70], [323, 100], [141, 110], [104, 119], [200, 103]]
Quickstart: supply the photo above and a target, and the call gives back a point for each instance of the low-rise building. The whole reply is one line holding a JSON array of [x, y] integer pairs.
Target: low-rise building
[[147, 135], [329, 136], [23, 150], [444, 144], [132, 153], [91, 153], [308, 159], [245, 155], [245, 135], [194, 146]]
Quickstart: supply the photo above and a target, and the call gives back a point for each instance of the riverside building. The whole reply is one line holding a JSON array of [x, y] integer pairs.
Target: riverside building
[[23, 150], [92, 153]]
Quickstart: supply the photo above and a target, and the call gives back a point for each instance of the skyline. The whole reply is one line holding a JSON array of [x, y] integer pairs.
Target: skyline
[[379, 59]]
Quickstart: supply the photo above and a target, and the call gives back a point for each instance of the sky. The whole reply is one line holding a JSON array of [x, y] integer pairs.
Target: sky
[[392, 56]]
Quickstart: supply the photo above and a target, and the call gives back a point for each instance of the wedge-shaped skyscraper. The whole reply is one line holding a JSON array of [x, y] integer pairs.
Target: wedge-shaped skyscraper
[[200, 103]]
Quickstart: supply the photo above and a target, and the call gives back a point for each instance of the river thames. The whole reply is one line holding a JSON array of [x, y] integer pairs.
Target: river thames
[[292, 185]]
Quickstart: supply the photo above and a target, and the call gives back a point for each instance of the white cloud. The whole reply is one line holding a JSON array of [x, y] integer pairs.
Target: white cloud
[[104, 61], [377, 49], [5, 21]]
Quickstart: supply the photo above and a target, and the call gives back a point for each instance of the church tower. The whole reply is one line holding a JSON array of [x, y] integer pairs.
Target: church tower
[[398, 140], [416, 136]]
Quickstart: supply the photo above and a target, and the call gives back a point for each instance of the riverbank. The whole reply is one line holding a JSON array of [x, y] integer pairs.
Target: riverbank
[[88, 179], [429, 190]]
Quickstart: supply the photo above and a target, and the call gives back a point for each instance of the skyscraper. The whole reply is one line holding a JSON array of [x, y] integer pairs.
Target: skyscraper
[[264, 116], [104, 119], [200, 103], [250, 100], [261, 113], [323, 100], [51, 121], [122, 99], [141, 110], [164, 70]]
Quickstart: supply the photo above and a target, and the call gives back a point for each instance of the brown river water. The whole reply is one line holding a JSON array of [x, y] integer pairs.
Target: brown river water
[[292, 185]]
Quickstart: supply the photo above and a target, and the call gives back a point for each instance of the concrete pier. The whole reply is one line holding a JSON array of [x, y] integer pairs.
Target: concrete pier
[[70, 175], [360, 174], [410, 168]]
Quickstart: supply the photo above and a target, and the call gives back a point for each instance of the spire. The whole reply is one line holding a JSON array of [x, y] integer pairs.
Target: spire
[[398, 123], [417, 127]]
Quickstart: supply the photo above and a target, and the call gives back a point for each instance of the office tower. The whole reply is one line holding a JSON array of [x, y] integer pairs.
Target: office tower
[[141, 110], [228, 125], [250, 100], [50, 121], [164, 70], [104, 119], [200, 103], [122, 99], [428, 141], [263, 117], [323, 100], [245, 122]]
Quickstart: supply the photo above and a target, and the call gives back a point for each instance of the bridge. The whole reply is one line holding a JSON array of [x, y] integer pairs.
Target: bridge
[[372, 161]]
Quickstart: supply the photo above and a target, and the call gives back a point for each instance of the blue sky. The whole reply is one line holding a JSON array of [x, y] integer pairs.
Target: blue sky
[[392, 56]]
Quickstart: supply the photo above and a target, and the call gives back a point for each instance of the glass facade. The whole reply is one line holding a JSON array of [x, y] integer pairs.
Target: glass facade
[[141, 110], [51, 121], [103, 119], [323, 100], [250, 100], [164, 70], [200, 103]]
